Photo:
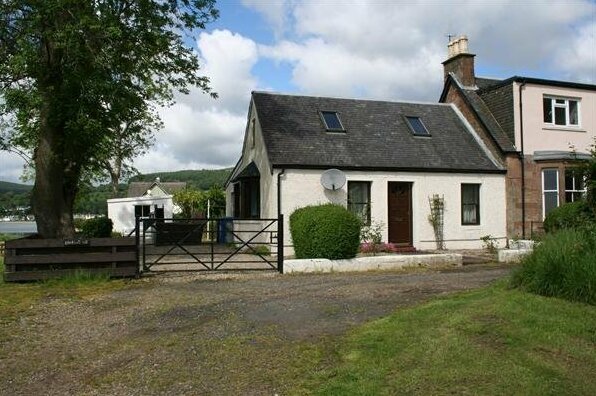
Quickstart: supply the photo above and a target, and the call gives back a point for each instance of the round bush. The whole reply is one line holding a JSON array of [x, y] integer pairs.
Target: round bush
[[99, 227], [325, 231], [570, 215]]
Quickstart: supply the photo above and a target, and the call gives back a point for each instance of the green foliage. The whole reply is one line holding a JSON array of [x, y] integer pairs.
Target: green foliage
[[7, 237], [262, 250], [99, 227], [195, 203], [79, 82], [589, 171], [325, 231], [189, 201], [562, 265], [202, 179], [570, 215], [14, 187], [490, 243]]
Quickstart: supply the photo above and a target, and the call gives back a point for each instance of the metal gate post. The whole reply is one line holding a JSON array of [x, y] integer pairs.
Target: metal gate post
[[137, 240], [280, 243]]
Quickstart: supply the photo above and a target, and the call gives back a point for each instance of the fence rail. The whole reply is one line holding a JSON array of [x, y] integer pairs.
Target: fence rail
[[36, 259]]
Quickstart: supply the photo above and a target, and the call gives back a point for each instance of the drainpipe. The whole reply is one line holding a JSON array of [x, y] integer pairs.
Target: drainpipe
[[522, 159], [279, 175]]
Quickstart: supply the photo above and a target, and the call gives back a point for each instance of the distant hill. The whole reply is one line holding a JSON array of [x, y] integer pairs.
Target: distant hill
[[14, 187], [201, 179]]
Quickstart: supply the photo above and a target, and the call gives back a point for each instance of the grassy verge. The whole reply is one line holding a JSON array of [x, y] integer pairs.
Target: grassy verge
[[492, 341], [17, 298]]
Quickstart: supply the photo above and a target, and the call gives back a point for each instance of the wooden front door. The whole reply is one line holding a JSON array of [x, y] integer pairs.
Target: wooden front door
[[399, 203]]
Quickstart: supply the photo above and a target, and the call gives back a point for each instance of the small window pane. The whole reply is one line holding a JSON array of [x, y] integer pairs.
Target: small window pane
[[547, 104], [470, 197], [569, 178], [573, 113], [560, 117], [359, 200], [550, 201], [550, 179], [332, 121], [417, 126]]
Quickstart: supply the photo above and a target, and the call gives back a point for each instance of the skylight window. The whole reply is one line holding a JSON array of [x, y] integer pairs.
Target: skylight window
[[331, 120], [417, 127]]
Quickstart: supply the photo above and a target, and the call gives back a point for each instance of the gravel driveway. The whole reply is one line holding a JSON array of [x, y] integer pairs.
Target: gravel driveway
[[216, 334]]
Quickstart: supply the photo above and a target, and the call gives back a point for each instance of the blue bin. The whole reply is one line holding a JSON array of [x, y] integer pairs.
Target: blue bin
[[225, 226]]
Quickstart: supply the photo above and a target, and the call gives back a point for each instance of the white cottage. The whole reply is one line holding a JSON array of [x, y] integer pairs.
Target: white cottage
[[395, 157], [144, 199]]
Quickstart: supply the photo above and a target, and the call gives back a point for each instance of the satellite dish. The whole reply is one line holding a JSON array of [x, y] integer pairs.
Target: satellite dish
[[333, 179]]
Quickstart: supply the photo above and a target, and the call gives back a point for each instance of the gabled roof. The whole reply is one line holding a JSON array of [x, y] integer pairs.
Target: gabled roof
[[376, 135], [138, 189], [472, 96]]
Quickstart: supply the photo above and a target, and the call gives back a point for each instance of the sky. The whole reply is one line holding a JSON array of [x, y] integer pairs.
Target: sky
[[377, 49]]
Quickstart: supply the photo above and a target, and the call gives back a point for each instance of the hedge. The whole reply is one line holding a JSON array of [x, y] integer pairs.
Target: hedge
[[325, 231], [570, 215], [99, 227]]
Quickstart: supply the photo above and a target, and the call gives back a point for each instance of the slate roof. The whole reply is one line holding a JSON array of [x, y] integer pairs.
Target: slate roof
[[138, 189], [485, 113], [499, 99], [376, 135]]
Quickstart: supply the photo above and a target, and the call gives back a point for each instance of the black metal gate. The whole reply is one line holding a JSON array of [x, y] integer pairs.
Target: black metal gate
[[171, 245]]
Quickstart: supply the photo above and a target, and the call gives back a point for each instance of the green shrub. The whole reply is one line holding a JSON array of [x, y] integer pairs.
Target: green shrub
[[562, 265], [325, 231], [570, 215], [99, 227]]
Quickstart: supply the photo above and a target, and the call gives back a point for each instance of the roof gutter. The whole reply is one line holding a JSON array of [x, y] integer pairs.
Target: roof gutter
[[279, 175]]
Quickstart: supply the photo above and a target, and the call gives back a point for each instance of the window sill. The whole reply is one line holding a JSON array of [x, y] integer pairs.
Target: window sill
[[563, 128]]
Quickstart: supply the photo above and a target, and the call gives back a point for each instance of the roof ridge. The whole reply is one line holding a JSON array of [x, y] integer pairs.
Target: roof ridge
[[272, 93]]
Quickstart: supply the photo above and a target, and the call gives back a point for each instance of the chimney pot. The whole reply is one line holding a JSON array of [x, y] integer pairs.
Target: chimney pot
[[459, 61]]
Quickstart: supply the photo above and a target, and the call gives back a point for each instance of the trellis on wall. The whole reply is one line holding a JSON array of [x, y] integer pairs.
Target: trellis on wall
[[436, 218]]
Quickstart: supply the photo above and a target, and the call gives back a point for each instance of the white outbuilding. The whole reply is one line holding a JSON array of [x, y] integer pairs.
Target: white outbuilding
[[145, 199]]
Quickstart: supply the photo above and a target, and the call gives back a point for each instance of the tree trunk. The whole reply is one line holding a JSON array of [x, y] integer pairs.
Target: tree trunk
[[55, 186], [115, 172]]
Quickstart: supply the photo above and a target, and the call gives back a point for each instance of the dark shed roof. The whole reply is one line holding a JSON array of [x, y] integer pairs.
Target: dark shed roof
[[376, 135]]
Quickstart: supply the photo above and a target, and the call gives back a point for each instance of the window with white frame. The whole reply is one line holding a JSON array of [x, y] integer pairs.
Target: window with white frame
[[574, 185], [561, 111], [550, 190]]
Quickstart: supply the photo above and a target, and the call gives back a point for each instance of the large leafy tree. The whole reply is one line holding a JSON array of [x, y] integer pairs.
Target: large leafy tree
[[71, 71]]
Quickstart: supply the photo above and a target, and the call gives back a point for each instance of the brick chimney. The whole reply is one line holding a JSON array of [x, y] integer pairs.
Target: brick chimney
[[460, 62]]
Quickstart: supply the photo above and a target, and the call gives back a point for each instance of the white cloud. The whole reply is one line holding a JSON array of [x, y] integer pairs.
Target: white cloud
[[383, 49], [11, 167], [200, 132], [578, 59], [325, 69], [274, 11]]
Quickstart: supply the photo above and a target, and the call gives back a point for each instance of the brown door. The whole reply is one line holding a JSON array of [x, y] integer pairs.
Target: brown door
[[400, 213]]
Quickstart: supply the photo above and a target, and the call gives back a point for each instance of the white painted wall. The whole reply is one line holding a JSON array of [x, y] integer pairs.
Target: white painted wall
[[122, 210], [254, 150], [302, 187], [539, 136]]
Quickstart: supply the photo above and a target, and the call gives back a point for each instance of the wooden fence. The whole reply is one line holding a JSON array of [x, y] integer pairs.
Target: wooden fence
[[35, 259]]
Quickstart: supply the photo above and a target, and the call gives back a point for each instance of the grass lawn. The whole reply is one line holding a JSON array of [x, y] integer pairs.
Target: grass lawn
[[492, 341]]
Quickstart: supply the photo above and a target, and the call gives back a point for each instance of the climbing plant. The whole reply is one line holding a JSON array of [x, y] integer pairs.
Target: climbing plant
[[436, 217]]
